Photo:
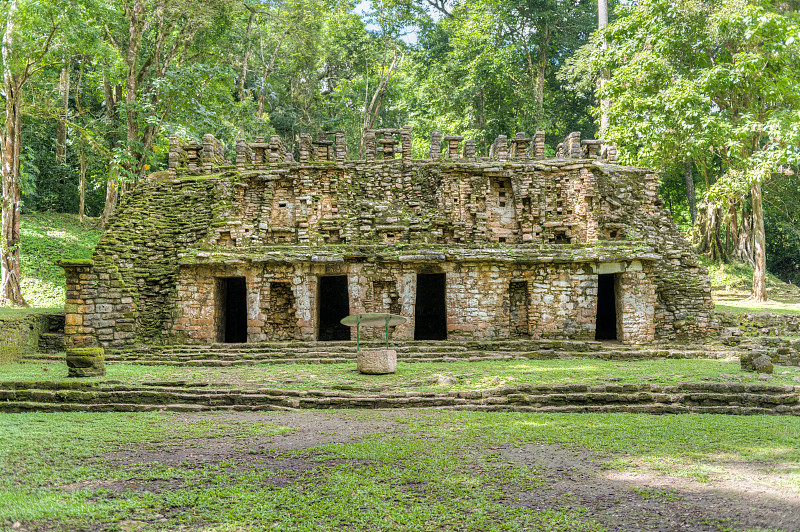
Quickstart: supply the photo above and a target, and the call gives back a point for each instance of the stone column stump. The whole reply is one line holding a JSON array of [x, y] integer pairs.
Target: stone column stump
[[377, 361], [86, 362]]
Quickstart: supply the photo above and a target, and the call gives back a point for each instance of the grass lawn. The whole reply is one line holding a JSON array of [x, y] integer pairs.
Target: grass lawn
[[422, 376], [378, 470], [751, 307], [731, 284], [16, 312]]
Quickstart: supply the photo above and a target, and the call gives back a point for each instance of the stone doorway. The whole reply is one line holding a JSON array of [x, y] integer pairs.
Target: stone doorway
[[606, 324], [231, 310], [334, 304], [430, 317]]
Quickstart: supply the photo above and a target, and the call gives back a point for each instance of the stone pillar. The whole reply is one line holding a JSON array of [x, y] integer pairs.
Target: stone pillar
[[407, 292], [208, 156], [453, 143], [572, 145], [499, 149], [306, 147], [436, 145], [538, 145], [341, 146], [636, 299], [519, 146], [85, 362], [78, 303], [241, 154], [174, 155], [469, 150], [405, 139], [609, 153], [370, 145]]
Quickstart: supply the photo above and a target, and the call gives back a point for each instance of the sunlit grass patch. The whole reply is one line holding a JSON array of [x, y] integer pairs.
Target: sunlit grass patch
[[422, 376], [47, 237]]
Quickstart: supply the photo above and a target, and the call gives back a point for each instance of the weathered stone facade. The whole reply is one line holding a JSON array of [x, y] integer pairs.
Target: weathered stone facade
[[511, 245]]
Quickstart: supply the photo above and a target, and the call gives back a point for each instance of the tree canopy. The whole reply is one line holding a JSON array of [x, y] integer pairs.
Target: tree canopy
[[702, 90]]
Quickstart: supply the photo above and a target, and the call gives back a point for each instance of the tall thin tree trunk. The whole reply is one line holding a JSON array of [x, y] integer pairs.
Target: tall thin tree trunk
[[541, 69], [690, 194], [82, 184], [61, 124], [602, 21], [10, 290], [759, 292], [246, 58], [111, 196], [112, 95]]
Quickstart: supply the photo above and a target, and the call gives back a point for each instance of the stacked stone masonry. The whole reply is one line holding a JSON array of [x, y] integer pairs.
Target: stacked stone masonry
[[681, 398], [518, 245]]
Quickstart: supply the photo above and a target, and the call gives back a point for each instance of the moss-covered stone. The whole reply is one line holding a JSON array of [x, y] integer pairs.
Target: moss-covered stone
[[85, 362]]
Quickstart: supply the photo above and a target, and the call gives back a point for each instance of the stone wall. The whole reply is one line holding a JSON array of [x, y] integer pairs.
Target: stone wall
[[492, 225], [555, 301], [31, 333]]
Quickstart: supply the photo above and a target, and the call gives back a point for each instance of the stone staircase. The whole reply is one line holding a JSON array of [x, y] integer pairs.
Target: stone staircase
[[708, 398], [303, 352]]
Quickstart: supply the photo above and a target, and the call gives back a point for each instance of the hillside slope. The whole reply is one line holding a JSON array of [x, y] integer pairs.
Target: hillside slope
[[47, 237]]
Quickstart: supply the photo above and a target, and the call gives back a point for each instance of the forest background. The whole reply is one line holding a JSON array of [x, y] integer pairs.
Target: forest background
[[704, 92]]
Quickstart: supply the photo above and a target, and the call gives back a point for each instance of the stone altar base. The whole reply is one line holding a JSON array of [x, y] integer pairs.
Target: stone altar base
[[377, 361], [85, 362]]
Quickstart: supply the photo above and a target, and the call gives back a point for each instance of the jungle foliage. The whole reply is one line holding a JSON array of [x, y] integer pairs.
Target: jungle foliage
[[699, 89]]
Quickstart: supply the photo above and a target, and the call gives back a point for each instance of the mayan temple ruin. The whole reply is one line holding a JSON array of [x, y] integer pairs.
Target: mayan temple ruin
[[260, 246]]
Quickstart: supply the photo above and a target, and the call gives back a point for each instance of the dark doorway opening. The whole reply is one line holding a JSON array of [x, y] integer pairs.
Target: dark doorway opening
[[232, 310], [430, 321], [334, 304], [606, 324]]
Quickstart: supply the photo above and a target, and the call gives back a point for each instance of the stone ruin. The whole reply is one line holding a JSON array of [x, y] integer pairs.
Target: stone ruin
[[263, 246]]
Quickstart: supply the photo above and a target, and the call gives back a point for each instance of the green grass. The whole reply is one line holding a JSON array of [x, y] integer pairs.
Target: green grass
[[731, 284], [421, 376], [15, 312], [436, 470], [749, 307], [47, 237]]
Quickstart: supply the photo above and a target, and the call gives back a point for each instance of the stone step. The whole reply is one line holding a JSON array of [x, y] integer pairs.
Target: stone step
[[231, 358], [717, 398]]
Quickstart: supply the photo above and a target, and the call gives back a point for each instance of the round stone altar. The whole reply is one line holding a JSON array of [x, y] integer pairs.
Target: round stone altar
[[377, 361]]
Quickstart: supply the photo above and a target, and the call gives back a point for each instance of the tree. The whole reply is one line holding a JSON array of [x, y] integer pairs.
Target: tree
[[29, 33], [711, 83], [490, 69], [154, 42]]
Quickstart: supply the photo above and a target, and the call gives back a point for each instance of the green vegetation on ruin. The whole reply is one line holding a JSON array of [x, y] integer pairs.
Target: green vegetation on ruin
[[421, 376], [424, 470]]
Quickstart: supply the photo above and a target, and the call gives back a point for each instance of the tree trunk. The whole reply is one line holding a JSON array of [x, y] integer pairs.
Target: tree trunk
[[61, 124], [690, 195], [111, 196], [10, 290], [82, 185], [759, 292], [246, 58], [707, 231], [602, 21], [540, 74], [112, 95]]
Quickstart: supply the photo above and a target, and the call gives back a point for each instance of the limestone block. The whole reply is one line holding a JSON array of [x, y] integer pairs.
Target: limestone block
[[377, 361], [86, 362]]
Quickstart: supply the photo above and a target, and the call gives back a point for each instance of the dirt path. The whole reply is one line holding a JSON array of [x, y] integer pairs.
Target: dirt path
[[740, 497]]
